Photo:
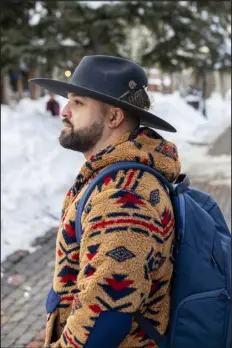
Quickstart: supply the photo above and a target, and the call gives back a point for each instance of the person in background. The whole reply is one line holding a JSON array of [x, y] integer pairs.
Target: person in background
[[53, 106]]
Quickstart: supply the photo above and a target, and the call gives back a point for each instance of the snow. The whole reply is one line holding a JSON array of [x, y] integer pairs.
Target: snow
[[191, 125], [173, 109], [68, 42], [192, 98], [219, 118], [167, 81], [97, 4], [228, 95], [37, 171], [195, 133]]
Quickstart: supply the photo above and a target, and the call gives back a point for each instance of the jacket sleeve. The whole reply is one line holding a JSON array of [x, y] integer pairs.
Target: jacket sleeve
[[115, 268]]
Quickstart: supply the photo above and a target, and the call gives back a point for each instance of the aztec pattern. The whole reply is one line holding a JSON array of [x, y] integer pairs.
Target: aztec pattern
[[125, 260]]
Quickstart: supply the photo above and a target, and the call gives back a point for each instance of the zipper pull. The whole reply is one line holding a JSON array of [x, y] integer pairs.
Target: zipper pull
[[225, 294]]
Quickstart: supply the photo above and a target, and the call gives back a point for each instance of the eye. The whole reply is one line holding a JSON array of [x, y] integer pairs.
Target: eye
[[77, 102]]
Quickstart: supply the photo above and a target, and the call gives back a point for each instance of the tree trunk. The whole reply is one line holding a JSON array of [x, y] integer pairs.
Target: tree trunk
[[34, 89], [173, 82], [5, 89], [217, 82], [20, 88], [210, 84], [198, 79]]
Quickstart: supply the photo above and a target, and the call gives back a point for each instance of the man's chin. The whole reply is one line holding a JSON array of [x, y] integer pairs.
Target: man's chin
[[66, 145], [64, 139]]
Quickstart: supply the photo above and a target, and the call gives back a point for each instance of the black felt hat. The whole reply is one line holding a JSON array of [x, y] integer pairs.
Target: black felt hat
[[106, 79]]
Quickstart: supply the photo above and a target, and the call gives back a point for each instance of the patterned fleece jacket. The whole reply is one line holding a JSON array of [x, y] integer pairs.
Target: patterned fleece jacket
[[124, 262]]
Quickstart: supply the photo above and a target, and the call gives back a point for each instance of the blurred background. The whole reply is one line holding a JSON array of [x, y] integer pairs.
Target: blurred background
[[183, 45], [185, 48]]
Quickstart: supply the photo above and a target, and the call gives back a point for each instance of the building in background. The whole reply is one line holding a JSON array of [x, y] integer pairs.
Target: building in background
[[159, 82]]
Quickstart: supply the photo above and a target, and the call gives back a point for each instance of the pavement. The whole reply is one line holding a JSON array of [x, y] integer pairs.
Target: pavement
[[28, 276], [25, 285]]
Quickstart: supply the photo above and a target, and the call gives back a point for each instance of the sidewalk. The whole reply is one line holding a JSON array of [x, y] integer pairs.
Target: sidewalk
[[24, 289], [28, 277]]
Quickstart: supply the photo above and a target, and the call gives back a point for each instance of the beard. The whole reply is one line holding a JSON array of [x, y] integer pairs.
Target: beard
[[81, 140]]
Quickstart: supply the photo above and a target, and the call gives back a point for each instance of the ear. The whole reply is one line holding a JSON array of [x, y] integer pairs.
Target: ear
[[115, 117]]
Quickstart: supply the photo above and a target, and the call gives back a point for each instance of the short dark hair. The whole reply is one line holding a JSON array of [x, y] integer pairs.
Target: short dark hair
[[138, 98]]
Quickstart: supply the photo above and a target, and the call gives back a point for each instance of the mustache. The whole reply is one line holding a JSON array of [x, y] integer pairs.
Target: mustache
[[65, 121]]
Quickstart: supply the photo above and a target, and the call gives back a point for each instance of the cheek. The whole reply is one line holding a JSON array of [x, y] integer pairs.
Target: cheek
[[83, 118]]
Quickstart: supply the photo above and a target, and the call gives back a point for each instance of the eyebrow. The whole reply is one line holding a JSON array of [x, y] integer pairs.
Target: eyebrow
[[74, 95]]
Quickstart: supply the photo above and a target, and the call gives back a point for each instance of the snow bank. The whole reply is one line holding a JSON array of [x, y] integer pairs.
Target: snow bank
[[194, 132], [173, 109], [191, 125], [218, 119], [37, 171]]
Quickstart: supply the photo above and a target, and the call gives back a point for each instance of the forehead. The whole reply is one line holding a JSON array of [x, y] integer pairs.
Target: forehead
[[85, 100]]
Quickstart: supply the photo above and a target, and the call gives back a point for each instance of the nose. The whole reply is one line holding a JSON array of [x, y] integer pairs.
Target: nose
[[66, 112]]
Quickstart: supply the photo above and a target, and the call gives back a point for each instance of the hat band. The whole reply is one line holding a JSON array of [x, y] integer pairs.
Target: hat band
[[132, 91]]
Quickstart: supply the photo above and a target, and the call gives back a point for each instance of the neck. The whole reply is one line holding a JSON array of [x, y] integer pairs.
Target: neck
[[104, 142]]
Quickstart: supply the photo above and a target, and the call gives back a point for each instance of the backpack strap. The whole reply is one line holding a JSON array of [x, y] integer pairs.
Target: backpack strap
[[114, 168], [150, 331], [145, 324]]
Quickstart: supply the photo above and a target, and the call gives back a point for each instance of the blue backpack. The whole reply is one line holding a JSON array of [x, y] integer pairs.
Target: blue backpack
[[201, 290]]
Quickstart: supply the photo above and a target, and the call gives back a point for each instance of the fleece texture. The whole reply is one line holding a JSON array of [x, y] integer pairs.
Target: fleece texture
[[124, 262]]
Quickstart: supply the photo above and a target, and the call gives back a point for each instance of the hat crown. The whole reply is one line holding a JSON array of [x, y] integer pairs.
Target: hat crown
[[107, 79], [109, 75]]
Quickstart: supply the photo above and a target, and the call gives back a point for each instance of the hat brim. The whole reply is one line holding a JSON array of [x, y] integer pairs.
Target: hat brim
[[63, 88]]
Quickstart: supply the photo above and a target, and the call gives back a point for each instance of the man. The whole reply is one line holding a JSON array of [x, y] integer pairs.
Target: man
[[53, 106], [124, 262]]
